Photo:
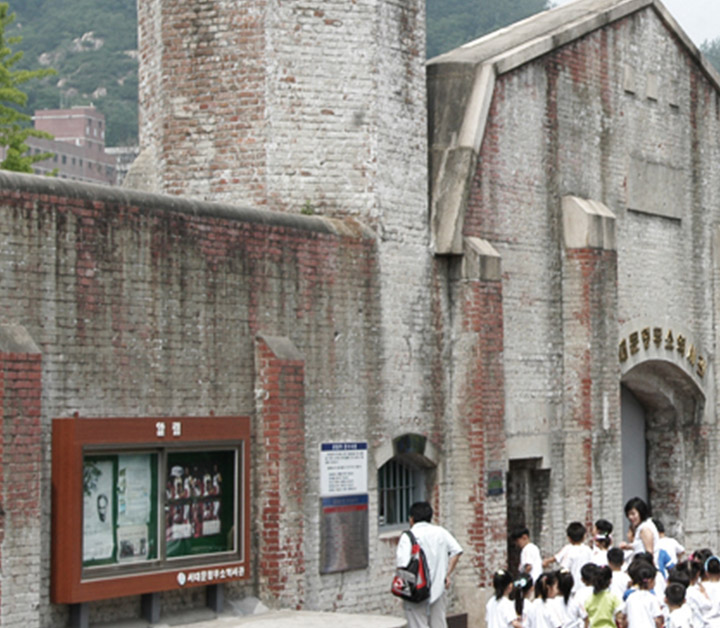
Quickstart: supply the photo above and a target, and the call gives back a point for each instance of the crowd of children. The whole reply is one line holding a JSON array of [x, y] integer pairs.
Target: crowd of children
[[644, 582]]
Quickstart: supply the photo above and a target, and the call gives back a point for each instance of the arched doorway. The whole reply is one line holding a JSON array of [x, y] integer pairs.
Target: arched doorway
[[664, 458]]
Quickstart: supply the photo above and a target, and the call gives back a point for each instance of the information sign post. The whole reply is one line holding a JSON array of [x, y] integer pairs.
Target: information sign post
[[343, 506]]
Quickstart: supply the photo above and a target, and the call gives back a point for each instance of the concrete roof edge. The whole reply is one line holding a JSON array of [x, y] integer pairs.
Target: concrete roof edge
[[51, 186], [566, 33]]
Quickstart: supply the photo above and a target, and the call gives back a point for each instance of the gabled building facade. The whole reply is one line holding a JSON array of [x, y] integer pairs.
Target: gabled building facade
[[496, 272]]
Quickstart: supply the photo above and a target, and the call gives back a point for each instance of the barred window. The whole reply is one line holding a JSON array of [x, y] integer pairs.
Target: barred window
[[404, 479], [399, 486]]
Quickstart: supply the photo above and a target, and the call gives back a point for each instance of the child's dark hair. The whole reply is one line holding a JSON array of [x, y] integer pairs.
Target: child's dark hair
[[700, 557], [659, 525], [603, 525], [587, 573], [501, 580], [642, 574], [694, 567], [565, 582], [603, 533], [675, 594], [644, 556], [576, 532], [712, 565], [602, 579], [519, 533], [615, 557], [681, 574], [543, 583], [520, 588]]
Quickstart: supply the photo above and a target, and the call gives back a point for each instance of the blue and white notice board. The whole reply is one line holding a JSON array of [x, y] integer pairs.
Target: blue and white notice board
[[344, 541], [343, 469]]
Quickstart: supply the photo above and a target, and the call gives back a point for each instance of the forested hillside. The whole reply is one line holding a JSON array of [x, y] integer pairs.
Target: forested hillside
[[451, 23], [92, 44]]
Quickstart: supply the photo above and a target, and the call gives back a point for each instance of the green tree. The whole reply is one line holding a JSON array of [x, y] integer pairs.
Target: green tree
[[14, 129], [711, 49], [451, 23]]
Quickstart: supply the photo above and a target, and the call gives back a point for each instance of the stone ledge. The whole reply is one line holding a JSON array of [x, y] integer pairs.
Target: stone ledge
[[587, 224], [149, 203]]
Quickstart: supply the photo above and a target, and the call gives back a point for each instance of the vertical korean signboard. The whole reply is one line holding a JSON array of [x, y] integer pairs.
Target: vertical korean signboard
[[344, 506]]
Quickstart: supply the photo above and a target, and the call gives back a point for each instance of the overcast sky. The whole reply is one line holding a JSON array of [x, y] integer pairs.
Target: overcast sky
[[698, 18]]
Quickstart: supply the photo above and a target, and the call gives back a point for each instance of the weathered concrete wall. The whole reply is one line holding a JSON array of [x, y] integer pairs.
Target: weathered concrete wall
[[142, 305], [622, 114]]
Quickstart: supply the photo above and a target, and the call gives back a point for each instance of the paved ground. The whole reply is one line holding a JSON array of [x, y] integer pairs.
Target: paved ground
[[204, 618], [297, 619]]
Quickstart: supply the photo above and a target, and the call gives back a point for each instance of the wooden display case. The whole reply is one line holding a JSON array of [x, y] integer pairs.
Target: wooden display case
[[142, 505]]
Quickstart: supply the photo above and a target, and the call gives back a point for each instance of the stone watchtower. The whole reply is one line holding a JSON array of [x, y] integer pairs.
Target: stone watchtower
[[285, 105], [310, 107]]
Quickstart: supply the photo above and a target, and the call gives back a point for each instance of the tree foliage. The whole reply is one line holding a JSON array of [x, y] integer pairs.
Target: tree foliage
[[14, 129], [711, 49], [451, 23]]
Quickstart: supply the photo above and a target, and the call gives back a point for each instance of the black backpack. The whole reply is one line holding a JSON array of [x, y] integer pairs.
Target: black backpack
[[412, 583]]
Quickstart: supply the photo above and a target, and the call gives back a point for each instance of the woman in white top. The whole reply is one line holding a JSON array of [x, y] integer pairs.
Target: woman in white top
[[645, 534]]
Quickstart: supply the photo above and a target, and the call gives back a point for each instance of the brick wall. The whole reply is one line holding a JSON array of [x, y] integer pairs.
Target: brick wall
[[478, 437], [592, 448], [142, 305], [20, 479], [570, 123], [280, 472]]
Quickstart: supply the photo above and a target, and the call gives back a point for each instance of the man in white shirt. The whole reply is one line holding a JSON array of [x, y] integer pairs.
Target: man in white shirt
[[442, 552]]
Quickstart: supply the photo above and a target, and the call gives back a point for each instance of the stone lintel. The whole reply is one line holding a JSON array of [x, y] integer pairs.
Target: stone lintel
[[587, 224], [523, 447], [16, 339], [282, 347], [481, 261]]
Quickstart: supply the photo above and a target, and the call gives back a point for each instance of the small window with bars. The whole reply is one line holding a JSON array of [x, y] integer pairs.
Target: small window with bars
[[397, 490]]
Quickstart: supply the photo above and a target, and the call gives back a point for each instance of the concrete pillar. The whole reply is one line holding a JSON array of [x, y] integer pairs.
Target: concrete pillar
[[590, 438]]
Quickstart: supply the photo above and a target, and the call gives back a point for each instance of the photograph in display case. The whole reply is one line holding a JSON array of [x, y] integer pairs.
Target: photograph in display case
[[200, 513], [119, 508]]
